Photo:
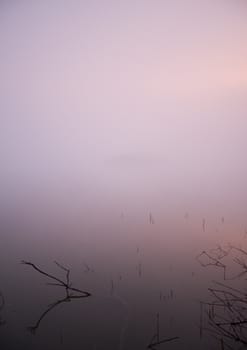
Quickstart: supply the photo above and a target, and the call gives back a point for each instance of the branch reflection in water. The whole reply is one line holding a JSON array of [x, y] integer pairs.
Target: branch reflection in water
[[66, 284]]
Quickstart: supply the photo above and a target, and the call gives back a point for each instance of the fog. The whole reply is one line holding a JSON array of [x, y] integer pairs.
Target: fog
[[112, 110], [118, 94]]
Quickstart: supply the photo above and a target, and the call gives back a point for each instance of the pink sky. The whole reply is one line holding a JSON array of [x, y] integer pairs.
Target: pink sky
[[116, 97]]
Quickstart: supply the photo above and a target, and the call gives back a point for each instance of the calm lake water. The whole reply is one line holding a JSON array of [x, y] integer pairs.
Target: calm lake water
[[141, 267]]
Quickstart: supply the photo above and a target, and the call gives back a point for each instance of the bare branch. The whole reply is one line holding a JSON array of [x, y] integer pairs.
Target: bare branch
[[65, 284]]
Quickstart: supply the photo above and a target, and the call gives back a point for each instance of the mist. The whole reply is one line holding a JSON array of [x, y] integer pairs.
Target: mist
[[112, 111]]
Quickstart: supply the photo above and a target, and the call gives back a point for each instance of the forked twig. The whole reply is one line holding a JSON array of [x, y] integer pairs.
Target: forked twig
[[65, 284], [60, 283]]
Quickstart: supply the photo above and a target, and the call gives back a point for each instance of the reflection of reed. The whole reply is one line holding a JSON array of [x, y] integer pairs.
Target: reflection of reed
[[2, 303], [66, 284], [155, 340], [168, 296], [151, 219], [226, 312], [139, 269]]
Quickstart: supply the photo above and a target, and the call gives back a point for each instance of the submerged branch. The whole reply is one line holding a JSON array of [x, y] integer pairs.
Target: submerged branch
[[65, 284]]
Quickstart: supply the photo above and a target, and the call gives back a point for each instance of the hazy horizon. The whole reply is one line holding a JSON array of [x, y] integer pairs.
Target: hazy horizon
[[122, 146]]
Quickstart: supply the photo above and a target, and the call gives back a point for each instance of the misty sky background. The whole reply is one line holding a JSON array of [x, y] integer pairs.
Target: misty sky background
[[111, 110], [123, 100]]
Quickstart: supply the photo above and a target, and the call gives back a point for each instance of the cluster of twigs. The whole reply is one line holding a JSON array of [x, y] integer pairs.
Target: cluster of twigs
[[216, 257], [226, 312], [71, 293]]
